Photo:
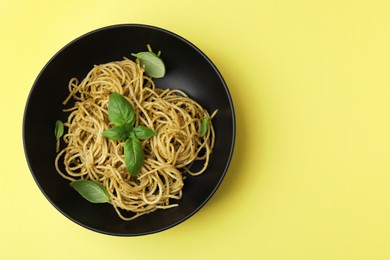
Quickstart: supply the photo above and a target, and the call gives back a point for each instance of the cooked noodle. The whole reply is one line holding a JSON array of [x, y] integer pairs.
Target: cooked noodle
[[175, 118]]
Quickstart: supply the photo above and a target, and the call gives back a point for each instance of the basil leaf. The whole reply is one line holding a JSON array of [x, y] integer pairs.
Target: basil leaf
[[91, 191], [204, 126], [120, 111], [132, 134], [134, 155], [154, 66], [59, 129], [142, 132], [118, 132]]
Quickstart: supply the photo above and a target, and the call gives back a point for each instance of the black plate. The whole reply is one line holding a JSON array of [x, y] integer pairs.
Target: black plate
[[188, 69]]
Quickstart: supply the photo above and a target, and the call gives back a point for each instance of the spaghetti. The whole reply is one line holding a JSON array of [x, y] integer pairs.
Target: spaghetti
[[175, 117]]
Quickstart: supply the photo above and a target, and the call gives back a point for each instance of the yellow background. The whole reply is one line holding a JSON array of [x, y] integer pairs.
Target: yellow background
[[310, 176]]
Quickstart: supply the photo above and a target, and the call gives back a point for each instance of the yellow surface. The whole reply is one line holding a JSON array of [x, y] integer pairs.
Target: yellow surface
[[310, 176]]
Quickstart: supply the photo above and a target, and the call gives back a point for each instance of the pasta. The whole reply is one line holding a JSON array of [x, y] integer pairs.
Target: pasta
[[169, 155]]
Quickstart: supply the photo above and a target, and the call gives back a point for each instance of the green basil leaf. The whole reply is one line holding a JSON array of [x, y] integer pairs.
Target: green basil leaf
[[59, 129], [118, 132], [91, 191], [134, 155], [132, 135], [154, 66], [120, 111], [204, 126], [142, 132]]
